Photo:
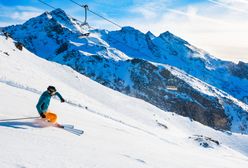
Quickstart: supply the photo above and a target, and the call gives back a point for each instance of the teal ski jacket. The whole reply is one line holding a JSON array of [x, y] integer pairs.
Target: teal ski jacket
[[44, 101]]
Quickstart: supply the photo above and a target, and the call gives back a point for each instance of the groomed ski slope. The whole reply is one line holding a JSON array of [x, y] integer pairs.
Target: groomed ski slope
[[120, 131]]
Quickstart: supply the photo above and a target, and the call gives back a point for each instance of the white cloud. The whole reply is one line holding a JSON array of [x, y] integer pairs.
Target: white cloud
[[18, 14], [147, 14], [149, 10], [235, 5], [219, 30], [3, 24], [23, 16], [28, 8]]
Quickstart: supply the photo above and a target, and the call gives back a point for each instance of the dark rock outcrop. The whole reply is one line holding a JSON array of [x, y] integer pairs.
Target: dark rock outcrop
[[240, 70]]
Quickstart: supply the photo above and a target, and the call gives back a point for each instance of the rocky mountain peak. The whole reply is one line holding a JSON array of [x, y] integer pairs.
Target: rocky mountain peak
[[240, 70], [60, 16], [130, 30], [150, 35], [171, 38]]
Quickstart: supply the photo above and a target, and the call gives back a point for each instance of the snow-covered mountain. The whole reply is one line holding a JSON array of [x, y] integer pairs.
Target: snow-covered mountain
[[170, 49], [210, 90], [120, 131]]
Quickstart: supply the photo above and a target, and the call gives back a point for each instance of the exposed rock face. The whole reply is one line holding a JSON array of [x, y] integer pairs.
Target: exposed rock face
[[240, 70], [150, 84], [205, 142]]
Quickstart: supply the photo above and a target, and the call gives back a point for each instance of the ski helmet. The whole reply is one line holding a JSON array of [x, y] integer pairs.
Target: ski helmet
[[51, 89]]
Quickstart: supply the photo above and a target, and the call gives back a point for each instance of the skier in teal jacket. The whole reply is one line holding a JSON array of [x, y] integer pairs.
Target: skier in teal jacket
[[44, 102]]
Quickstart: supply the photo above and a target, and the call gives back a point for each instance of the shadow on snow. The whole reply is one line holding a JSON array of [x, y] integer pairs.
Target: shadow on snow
[[19, 125]]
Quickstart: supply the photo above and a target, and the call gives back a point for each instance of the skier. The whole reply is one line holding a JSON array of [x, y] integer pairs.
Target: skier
[[44, 102]]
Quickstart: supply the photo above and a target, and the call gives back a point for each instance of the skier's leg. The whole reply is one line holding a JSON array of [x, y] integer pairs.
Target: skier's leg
[[51, 117]]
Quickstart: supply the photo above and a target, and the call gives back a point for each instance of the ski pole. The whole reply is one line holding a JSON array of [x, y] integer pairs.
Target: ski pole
[[75, 104], [13, 119]]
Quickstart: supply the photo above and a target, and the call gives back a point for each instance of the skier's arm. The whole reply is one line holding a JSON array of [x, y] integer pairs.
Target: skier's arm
[[38, 106], [60, 97]]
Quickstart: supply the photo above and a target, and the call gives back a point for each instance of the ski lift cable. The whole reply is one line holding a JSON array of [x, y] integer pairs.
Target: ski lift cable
[[56, 8], [137, 50], [97, 14], [46, 4], [93, 27], [67, 14], [76, 3], [133, 48], [105, 18], [174, 88], [114, 24]]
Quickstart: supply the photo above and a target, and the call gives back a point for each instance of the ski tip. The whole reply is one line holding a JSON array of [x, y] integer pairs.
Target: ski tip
[[74, 131]]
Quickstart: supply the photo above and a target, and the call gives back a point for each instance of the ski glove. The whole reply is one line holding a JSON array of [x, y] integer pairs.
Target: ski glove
[[42, 115], [62, 100]]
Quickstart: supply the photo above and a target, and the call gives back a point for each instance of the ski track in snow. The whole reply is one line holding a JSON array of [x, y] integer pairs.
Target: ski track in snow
[[33, 90]]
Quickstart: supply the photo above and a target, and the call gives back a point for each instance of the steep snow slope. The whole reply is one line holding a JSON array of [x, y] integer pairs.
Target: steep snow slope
[[122, 59], [120, 131]]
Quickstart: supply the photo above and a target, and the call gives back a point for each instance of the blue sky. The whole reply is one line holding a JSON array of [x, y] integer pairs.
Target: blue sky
[[217, 26]]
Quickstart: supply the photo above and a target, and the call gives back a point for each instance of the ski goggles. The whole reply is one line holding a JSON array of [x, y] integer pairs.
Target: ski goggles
[[51, 92]]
